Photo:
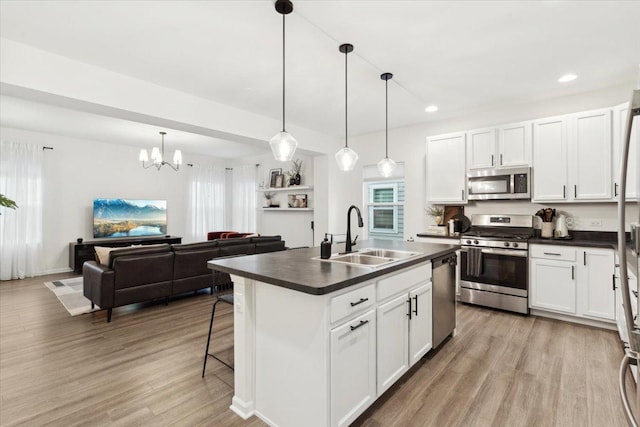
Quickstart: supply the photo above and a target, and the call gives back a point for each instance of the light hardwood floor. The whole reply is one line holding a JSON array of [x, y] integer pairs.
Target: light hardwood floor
[[144, 368]]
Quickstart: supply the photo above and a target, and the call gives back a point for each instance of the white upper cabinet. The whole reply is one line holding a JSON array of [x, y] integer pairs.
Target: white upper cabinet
[[619, 134], [504, 147], [590, 155], [514, 145], [481, 148], [446, 169], [550, 159], [572, 158]]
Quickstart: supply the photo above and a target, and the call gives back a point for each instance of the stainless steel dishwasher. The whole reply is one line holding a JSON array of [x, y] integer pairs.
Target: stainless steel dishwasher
[[444, 297]]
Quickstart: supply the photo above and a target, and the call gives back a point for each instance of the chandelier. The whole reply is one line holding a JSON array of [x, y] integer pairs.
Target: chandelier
[[157, 157]]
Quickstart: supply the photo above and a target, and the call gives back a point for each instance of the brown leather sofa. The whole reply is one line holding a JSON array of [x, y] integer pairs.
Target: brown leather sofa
[[159, 271]]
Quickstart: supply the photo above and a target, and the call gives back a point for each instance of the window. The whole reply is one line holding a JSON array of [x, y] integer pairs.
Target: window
[[386, 209]]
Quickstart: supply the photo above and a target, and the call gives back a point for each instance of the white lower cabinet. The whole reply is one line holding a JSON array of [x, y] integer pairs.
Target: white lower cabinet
[[404, 333], [553, 285], [353, 368], [571, 280]]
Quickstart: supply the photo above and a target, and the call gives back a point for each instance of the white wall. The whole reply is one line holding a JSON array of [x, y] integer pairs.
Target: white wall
[[78, 171], [408, 145]]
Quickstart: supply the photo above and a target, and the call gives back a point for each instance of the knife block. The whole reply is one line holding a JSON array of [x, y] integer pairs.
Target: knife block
[[547, 230]]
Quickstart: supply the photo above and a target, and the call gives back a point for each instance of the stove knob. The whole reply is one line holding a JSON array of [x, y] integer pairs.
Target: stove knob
[[475, 242], [468, 242], [506, 244], [515, 245]]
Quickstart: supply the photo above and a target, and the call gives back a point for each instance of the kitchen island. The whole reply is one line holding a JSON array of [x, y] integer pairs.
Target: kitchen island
[[317, 342]]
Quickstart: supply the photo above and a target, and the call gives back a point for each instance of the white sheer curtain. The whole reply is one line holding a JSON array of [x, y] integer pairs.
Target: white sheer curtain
[[207, 201], [21, 229], [243, 196]]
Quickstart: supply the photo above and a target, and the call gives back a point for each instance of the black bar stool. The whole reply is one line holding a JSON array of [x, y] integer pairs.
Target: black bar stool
[[226, 298]]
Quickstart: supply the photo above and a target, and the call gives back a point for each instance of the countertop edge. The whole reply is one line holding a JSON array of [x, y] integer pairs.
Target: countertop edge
[[373, 273]]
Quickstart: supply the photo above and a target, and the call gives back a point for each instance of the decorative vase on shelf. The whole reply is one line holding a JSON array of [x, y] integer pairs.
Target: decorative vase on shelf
[[297, 179], [438, 220]]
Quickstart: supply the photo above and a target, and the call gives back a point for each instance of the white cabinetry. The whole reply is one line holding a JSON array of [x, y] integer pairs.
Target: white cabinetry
[[481, 148], [596, 278], [619, 134], [446, 169], [507, 146], [353, 368], [514, 145], [550, 159], [590, 155], [572, 280], [572, 157], [404, 323]]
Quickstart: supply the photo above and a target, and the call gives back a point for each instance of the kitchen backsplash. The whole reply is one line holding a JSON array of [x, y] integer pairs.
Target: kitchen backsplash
[[583, 216]]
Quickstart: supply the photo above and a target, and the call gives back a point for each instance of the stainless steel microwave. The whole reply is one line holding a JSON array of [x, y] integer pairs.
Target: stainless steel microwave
[[495, 184]]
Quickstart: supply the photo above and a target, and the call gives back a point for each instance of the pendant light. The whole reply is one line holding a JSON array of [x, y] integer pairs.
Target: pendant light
[[386, 166], [283, 145], [346, 157]]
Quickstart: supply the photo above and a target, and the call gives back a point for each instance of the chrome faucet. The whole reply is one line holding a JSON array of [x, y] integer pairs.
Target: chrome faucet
[[348, 244]]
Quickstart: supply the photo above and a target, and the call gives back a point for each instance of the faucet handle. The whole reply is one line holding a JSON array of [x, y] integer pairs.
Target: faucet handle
[[354, 241]]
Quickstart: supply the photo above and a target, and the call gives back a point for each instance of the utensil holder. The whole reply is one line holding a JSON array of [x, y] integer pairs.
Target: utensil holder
[[547, 230]]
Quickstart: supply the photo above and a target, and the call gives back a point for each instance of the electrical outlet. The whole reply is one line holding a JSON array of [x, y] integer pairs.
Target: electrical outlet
[[595, 223], [570, 223]]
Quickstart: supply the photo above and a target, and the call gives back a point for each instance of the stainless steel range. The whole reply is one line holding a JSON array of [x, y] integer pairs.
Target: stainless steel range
[[494, 267]]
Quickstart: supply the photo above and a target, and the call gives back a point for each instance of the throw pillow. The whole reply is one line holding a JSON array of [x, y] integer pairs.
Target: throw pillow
[[102, 254]]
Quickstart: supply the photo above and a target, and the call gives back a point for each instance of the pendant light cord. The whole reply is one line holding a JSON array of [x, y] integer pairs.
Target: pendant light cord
[[283, 74], [386, 119], [346, 126]]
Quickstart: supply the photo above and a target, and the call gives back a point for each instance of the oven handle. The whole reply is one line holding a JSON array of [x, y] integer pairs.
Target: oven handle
[[496, 251]]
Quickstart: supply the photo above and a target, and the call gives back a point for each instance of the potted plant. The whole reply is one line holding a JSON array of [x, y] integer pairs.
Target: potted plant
[[437, 213], [269, 196], [296, 168], [7, 203]]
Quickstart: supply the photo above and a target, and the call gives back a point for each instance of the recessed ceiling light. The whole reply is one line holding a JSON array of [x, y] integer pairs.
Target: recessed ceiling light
[[431, 109], [567, 78]]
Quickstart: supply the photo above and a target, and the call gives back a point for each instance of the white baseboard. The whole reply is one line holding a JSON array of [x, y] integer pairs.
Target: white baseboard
[[243, 409], [55, 271], [567, 318]]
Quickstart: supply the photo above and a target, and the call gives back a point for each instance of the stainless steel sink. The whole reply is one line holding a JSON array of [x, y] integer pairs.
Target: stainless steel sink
[[370, 257], [388, 253]]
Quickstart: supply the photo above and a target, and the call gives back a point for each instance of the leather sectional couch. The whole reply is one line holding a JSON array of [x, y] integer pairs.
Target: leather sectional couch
[[138, 274]]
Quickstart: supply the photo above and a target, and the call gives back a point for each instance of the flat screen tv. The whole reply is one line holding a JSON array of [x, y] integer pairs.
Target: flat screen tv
[[129, 217]]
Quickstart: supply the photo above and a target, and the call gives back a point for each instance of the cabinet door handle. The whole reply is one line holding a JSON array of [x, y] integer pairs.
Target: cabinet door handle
[[492, 160], [416, 310], [409, 313], [575, 190], [584, 258], [362, 323], [615, 190], [573, 273], [564, 191], [500, 159], [462, 193], [353, 304], [552, 253], [613, 281]]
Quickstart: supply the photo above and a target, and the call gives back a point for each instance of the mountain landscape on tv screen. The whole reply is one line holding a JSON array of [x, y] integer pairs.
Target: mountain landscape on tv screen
[[129, 218]]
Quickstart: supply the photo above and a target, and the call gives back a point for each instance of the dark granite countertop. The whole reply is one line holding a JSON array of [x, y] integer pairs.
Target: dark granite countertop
[[590, 239], [295, 269]]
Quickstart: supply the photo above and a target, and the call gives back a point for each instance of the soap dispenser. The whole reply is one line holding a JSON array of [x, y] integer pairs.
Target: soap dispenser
[[325, 249]]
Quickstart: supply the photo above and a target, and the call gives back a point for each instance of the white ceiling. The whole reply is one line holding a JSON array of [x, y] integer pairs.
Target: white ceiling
[[461, 55]]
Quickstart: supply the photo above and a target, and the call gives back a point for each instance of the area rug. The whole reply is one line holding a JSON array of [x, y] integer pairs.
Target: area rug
[[69, 292]]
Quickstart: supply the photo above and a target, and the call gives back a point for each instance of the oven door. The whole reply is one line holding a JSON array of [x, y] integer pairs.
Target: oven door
[[500, 270]]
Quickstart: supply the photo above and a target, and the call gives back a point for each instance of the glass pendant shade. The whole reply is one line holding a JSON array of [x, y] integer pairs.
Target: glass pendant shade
[[283, 145], [177, 157], [144, 156], [346, 159], [386, 167]]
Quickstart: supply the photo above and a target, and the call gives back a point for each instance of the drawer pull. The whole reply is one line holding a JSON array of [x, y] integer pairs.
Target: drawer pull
[[552, 253], [362, 323], [353, 304]]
